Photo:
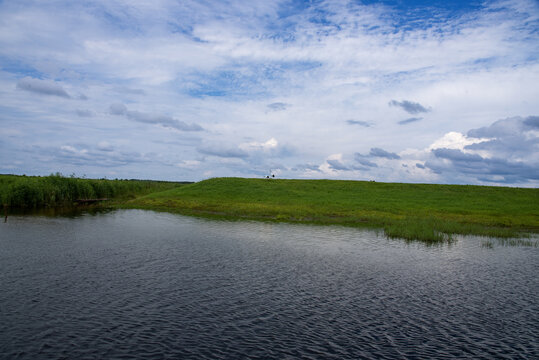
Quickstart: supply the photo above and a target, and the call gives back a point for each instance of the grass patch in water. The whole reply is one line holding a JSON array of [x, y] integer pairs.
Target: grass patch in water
[[487, 244], [518, 242], [425, 230]]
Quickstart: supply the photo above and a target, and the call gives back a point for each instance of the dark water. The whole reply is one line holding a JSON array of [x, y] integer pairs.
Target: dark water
[[135, 284]]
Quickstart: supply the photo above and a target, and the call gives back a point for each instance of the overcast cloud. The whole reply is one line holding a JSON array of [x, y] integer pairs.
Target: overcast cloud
[[377, 152], [42, 87], [336, 165], [223, 151], [163, 120], [187, 90], [363, 160], [504, 152]]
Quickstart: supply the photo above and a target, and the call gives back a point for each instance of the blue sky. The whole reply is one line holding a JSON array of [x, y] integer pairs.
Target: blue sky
[[408, 91]]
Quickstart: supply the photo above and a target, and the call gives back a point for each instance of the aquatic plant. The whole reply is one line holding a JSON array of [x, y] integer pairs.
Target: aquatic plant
[[56, 189], [487, 244]]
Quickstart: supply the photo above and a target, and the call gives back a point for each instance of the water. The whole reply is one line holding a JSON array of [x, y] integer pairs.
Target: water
[[136, 284]]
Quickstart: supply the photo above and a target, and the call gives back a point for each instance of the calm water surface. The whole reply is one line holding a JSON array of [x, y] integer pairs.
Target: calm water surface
[[137, 284]]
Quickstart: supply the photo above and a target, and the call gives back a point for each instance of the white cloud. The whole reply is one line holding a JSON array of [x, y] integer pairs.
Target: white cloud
[[454, 140], [188, 164], [260, 146], [104, 146], [269, 84]]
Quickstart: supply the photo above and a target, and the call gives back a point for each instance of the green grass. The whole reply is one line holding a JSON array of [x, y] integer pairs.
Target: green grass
[[57, 190], [424, 212], [429, 213]]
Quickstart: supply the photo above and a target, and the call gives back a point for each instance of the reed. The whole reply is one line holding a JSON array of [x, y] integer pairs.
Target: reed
[[58, 190]]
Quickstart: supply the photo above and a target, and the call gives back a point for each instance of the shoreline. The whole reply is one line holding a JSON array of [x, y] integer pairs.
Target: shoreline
[[397, 209], [428, 213]]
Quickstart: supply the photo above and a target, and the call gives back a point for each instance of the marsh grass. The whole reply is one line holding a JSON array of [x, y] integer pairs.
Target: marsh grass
[[487, 244], [425, 230], [57, 190], [426, 212], [518, 242]]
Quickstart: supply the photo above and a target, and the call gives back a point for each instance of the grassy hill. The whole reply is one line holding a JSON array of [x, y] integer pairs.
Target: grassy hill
[[412, 211]]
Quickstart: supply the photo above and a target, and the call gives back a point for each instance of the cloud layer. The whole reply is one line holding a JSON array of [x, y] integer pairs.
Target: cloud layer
[[504, 152], [163, 120], [391, 91], [377, 152]]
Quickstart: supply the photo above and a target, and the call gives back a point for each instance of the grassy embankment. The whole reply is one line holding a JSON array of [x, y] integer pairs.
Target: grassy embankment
[[429, 213], [424, 212], [24, 192]]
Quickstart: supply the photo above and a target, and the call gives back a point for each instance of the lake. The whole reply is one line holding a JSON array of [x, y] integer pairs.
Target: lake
[[141, 284]]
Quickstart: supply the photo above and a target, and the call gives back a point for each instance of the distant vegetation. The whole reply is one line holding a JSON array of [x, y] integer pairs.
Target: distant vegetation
[[430, 213], [57, 190]]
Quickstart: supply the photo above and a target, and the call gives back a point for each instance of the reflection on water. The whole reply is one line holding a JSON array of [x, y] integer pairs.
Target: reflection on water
[[65, 211], [149, 285]]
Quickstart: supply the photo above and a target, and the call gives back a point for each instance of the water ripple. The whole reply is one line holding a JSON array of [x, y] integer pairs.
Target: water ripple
[[134, 284]]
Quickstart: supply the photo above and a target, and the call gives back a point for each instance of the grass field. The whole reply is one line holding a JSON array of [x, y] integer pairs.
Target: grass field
[[425, 212], [57, 190], [430, 213]]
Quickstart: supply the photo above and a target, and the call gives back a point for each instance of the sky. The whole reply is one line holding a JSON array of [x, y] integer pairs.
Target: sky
[[394, 91]]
